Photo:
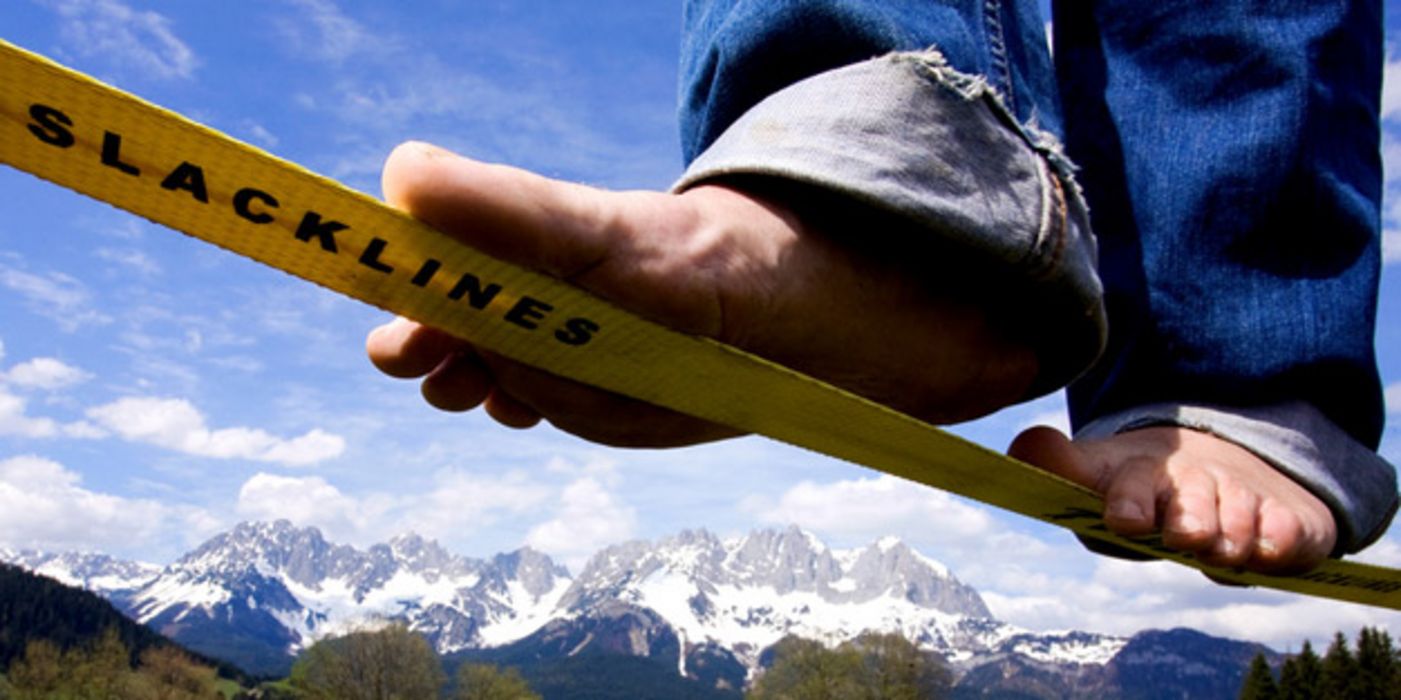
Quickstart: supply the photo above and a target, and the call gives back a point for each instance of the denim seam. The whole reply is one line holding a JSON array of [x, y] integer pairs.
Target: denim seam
[[1054, 170], [997, 48]]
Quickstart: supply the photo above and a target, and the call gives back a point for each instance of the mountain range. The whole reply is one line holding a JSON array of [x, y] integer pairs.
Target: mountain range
[[704, 607]]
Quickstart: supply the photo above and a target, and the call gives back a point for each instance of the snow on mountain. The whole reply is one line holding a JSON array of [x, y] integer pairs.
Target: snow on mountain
[[262, 577], [98, 573], [262, 591], [746, 594]]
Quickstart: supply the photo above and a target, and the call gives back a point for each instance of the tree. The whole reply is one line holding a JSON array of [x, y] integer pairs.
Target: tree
[[1376, 665], [39, 673], [169, 674], [1260, 681], [487, 682], [897, 670], [1339, 671], [389, 664], [806, 670], [870, 667], [100, 670], [1302, 677]]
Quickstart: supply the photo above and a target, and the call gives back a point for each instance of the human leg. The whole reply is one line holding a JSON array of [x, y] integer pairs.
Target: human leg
[[1230, 157], [848, 251]]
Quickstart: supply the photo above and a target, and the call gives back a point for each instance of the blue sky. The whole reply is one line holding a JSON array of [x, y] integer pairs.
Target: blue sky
[[154, 390]]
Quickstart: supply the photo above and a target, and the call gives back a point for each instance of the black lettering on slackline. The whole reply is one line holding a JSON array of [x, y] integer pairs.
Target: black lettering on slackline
[[370, 258], [323, 231], [528, 312], [112, 154], [425, 273], [244, 197], [189, 177], [477, 295], [576, 331], [49, 126]]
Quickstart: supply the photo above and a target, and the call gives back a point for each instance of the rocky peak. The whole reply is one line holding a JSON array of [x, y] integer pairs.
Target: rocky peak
[[536, 572], [785, 560]]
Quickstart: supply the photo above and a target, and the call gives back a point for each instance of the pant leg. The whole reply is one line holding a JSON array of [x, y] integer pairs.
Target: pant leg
[[914, 119], [735, 53], [1230, 155]]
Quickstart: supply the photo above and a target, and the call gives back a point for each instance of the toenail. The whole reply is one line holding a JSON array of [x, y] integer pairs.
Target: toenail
[[1267, 547], [1126, 510], [1189, 524]]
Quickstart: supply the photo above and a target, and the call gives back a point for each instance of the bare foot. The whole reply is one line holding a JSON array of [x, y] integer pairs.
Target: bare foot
[[1207, 496], [712, 261]]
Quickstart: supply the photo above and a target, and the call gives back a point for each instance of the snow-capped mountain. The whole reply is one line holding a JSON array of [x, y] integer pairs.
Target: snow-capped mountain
[[114, 579], [284, 587], [746, 594], [704, 606]]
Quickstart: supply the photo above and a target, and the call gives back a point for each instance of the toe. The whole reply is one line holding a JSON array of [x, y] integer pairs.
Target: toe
[[405, 349], [1191, 518], [1288, 541], [1052, 451], [1130, 499], [510, 412], [458, 383]]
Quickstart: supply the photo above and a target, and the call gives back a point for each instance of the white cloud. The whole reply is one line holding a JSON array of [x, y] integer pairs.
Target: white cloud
[[1391, 246], [1393, 399], [55, 296], [15, 421], [44, 373], [1042, 579], [463, 500], [140, 41], [458, 504], [176, 424], [327, 33], [44, 505], [1391, 88], [862, 509], [1120, 597], [131, 258], [259, 134], [588, 518], [306, 501]]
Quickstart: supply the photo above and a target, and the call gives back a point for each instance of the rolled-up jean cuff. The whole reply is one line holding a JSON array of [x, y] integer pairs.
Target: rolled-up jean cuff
[[1358, 486], [908, 137]]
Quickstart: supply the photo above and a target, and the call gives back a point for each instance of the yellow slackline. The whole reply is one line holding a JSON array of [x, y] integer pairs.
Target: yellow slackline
[[77, 132]]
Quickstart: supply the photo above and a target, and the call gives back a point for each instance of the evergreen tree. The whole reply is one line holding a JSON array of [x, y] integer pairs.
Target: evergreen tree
[[1376, 665], [1288, 679], [1303, 676], [1339, 671], [487, 682], [1260, 681]]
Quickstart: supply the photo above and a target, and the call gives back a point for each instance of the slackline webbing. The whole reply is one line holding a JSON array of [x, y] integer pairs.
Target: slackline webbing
[[75, 131]]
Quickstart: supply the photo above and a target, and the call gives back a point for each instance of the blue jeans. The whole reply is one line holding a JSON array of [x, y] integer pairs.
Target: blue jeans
[[1228, 151]]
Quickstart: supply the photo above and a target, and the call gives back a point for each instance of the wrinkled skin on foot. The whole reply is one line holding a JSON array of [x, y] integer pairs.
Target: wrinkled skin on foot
[[711, 261], [744, 269], [1207, 496]]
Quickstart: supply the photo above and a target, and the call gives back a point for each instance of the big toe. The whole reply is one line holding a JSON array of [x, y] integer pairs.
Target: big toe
[[508, 213]]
